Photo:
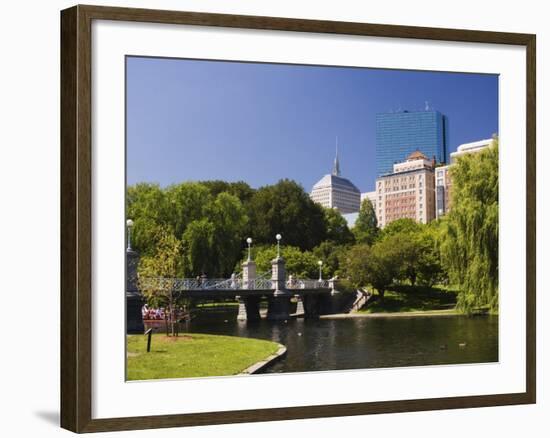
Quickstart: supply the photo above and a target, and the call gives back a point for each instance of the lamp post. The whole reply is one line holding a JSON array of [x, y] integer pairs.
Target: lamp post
[[249, 241], [278, 307], [278, 237], [134, 299], [320, 263], [129, 225]]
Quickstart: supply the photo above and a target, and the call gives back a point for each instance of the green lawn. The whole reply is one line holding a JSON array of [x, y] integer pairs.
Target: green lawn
[[413, 299], [193, 355]]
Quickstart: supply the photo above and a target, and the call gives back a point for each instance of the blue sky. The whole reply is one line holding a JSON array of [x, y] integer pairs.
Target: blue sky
[[198, 120]]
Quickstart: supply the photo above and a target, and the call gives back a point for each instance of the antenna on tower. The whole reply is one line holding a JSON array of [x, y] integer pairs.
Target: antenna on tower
[[426, 106], [336, 167]]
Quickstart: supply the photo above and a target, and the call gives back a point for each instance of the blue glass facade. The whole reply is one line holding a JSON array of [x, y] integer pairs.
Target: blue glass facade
[[401, 133]]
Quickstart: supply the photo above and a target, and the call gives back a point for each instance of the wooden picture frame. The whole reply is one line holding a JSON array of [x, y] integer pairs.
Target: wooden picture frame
[[76, 217]]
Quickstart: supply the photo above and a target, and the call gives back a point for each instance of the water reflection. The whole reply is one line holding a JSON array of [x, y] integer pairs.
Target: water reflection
[[330, 344]]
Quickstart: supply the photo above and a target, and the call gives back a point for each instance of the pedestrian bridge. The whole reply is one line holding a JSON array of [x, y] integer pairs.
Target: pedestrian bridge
[[250, 289]]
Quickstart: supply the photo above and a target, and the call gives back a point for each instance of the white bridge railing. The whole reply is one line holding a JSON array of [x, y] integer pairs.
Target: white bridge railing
[[306, 283], [262, 282]]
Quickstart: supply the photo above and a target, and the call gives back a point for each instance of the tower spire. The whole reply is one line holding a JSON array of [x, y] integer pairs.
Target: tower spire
[[336, 166]]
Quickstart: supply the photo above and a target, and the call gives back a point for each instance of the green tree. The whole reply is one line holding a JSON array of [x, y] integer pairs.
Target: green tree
[[337, 230], [385, 265], [416, 251], [185, 202], [210, 227], [399, 226], [376, 266], [469, 242], [331, 255], [171, 209], [157, 274], [430, 270], [198, 247], [287, 209], [366, 226], [407, 252], [240, 189], [229, 220], [145, 200], [212, 244], [355, 265], [301, 264], [403, 236], [146, 205]]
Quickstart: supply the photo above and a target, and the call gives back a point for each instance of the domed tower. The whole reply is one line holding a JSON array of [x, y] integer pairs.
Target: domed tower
[[335, 191]]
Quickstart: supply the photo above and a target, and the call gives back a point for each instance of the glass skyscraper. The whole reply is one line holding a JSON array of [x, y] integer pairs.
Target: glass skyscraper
[[401, 133]]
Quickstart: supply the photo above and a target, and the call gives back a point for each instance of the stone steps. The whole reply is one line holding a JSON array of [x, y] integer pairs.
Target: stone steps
[[361, 299]]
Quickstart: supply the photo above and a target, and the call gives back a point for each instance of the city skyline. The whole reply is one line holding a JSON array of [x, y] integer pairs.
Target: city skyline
[[202, 120]]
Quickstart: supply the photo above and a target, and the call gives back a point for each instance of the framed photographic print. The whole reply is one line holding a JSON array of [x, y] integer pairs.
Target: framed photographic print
[[260, 213]]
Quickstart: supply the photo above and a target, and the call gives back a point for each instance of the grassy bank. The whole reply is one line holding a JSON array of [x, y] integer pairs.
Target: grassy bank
[[193, 355], [413, 299]]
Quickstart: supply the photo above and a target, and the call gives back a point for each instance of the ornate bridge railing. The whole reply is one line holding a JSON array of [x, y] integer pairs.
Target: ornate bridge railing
[[306, 283], [262, 282]]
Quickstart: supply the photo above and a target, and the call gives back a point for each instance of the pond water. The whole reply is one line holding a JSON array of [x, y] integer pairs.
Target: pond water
[[352, 343]]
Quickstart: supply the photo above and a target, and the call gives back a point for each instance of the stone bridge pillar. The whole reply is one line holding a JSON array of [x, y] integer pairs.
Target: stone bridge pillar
[[279, 303], [249, 307], [134, 300], [311, 306], [332, 285], [249, 274], [300, 311]]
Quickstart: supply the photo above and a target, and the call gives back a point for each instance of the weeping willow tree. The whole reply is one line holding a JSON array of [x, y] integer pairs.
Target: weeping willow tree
[[469, 239]]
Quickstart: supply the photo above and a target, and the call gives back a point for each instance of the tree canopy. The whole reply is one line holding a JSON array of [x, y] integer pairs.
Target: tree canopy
[[212, 219], [240, 189], [401, 226], [469, 241], [212, 243], [163, 263], [287, 209], [337, 228], [209, 227], [376, 265], [302, 264], [366, 225], [201, 227]]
